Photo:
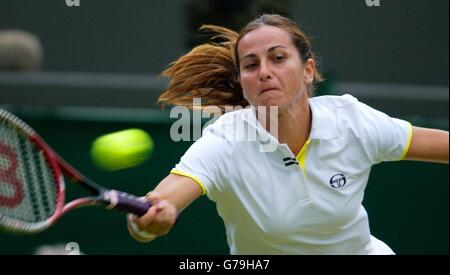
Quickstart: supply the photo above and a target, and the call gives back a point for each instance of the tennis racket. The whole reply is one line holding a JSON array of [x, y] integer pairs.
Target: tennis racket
[[32, 190]]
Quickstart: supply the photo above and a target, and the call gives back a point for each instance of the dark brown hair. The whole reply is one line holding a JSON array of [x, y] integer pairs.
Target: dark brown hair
[[211, 71]]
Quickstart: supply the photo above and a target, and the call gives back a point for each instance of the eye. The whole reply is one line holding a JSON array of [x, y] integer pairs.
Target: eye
[[250, 66], [279, 58]]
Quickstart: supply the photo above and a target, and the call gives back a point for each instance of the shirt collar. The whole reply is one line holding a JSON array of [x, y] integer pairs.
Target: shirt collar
[[249, 116], [324, 124]]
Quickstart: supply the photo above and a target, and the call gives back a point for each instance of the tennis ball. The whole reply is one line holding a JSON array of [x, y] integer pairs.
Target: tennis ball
[[123, 149]]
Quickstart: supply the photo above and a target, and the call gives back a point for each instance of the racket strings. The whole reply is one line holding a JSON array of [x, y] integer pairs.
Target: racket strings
[[37, 189], [27, 187], [49, 196]]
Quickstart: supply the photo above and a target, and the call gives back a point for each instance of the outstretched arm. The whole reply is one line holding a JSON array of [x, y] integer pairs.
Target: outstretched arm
[[428, 145]]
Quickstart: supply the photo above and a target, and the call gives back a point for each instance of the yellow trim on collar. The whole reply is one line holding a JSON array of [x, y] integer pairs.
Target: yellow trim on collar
[[301, 157], [194, 178]]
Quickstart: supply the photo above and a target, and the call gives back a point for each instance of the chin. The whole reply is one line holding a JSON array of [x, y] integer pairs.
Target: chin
[[280, 103]]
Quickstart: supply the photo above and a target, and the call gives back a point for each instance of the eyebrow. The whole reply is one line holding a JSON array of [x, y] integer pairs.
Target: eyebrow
[[271, 49]]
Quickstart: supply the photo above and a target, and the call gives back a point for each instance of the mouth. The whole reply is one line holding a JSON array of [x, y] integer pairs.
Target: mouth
[[267, 90]]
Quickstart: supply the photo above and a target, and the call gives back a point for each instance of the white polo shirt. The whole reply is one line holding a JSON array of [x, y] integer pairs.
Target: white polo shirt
[[279, 203]]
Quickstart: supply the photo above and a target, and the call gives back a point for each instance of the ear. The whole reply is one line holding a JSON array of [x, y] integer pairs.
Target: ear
[[309, 70]]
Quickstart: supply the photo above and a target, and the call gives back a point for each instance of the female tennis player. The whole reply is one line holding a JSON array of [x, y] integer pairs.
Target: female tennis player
[[303, 197]]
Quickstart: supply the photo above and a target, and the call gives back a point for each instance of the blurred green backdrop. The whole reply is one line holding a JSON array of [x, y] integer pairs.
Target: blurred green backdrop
[[402, 41]]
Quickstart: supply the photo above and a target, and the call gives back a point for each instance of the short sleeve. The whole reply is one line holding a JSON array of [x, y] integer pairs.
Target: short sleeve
[[206, 162], [385, 138]]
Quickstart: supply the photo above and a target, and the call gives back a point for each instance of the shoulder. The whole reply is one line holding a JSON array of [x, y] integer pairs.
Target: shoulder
[[335, 109], [216, 143], [219, 135], [224, 125], [334, 102], [345, 107], [340, 114]]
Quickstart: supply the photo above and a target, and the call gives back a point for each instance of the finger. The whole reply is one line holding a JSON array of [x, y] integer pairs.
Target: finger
[[168, 211], [167, 223], [160, 206], [163, 227], [154, 197], [144, 221], [143, 199], [165, 218]]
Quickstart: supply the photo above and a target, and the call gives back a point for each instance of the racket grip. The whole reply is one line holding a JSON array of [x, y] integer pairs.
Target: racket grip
[[131, 204]]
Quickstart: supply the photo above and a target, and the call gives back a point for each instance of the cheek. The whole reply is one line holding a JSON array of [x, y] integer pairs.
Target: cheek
[[295, 81], [248, 85]]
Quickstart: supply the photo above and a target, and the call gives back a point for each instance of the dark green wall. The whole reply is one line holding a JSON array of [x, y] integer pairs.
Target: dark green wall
[[402, 41], [407, 202]]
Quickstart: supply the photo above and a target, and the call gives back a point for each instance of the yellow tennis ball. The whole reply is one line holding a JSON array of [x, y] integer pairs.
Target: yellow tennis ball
[[123, 149]]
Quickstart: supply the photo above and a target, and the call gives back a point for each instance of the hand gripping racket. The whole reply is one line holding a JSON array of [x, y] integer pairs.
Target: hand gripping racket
[[32, 182]]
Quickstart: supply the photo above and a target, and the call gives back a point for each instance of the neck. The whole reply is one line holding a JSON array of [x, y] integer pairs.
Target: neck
[[294, 125]]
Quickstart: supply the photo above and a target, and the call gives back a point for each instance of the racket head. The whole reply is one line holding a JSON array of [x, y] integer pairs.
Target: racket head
[[31, 182]]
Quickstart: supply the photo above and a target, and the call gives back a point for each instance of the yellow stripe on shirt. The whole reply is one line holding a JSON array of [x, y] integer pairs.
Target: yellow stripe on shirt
[[408, 143], [194, 178]]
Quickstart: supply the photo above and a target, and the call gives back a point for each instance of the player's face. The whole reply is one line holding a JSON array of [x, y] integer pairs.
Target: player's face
[[271, 71]]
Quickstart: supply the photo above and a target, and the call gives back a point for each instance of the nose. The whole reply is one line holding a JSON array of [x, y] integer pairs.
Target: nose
[[264, 72]]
